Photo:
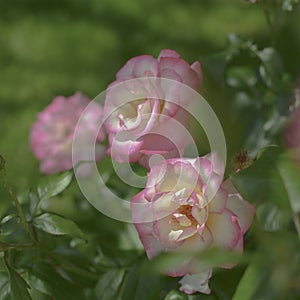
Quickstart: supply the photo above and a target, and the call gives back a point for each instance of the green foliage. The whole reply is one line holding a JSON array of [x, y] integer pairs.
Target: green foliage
[[48, 187], [109, 285], [252, 278], [175, 295], [272, 184], [56, 225], [53, 243], [18, 286], [51, 186], [46, 279]]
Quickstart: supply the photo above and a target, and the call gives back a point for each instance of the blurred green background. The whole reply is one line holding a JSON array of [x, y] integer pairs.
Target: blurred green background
[[58, 47]]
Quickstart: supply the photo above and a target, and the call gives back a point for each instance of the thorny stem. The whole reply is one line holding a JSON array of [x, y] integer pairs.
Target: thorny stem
[[13, 196], [8, 246], [35, 234]]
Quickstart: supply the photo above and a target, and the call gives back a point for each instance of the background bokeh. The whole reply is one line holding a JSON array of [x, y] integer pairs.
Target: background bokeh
[[58, 47], [48, 48]]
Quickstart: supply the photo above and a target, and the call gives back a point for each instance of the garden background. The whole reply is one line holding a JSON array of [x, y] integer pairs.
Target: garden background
[[58, 47]]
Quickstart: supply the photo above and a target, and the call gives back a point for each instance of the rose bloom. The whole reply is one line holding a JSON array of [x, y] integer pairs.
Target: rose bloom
[[52, 134], [292, 134], [187, 211], [147, 125]]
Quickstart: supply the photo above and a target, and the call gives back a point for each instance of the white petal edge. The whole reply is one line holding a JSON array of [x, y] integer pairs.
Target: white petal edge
[[196, 283]]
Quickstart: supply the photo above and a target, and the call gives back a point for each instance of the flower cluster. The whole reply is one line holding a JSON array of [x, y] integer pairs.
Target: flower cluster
[[185, 206]]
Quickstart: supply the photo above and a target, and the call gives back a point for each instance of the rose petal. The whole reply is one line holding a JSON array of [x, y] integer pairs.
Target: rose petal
[[197, 242], [237, 205], [187, 233], [197, 68], [199, 214], [137, 67], [167, 232], [242, 209], [124, 147], [182, 68], [168, 53], [149, 241], [225, 229], [196, 283], [218, 203]]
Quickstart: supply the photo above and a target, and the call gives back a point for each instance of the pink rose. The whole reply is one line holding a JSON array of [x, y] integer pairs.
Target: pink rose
[[138, 119], [292, 134], [52, 134], [187, 209]]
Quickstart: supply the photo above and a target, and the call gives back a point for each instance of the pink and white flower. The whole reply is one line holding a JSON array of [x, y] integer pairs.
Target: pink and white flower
[[52, 134], [138, 119], [185, 207]]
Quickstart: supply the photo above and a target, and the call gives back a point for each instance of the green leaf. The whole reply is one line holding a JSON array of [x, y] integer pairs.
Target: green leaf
[[272, 218], [34, 201], [9, 224], [289, 172], [54, 184], [271, 69], [223, 282], [19, 287], [141, 283], [175, 295], [253, 277], [272, 181], [206, 259], [57, 225], [7, 218], [44, 278], [263, 181], [109, 285], [5, 290]]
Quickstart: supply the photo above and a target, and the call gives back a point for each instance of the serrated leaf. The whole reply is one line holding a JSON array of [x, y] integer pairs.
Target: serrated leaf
[[57, 225], [54, 184], [109, 285], [34, 200], [175, 295], [19, 287]]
